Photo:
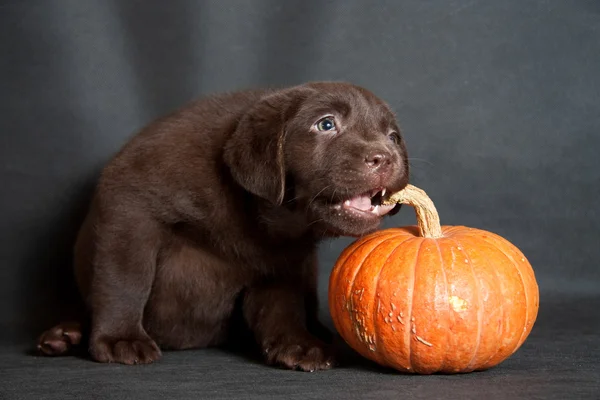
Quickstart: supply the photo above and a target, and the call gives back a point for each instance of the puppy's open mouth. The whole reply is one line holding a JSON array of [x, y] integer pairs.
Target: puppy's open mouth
[[368, 204]]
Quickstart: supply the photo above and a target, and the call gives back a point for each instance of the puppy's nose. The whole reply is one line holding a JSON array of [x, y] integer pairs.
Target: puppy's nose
[[377, 160]]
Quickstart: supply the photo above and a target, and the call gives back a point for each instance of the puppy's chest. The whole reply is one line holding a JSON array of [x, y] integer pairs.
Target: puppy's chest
[[272, 257], [255, 244]]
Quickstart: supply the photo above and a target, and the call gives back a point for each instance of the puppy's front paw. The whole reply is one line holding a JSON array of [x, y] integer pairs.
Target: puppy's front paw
[[305, 355], [132, 350]]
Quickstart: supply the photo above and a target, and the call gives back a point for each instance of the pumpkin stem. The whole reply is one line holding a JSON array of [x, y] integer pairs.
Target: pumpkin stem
[[427, 216]]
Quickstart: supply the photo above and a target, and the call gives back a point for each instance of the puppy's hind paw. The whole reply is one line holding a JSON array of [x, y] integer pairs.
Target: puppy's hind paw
[[59, 339]]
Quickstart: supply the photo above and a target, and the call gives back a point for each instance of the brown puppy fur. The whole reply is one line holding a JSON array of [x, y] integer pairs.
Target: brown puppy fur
[[222, 204]]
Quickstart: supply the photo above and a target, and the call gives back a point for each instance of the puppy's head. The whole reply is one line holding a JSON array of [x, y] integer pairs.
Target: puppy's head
[[332, 151]]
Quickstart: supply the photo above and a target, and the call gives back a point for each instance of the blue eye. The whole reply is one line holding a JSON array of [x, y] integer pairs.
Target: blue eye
[[326, 124], [394, 137]]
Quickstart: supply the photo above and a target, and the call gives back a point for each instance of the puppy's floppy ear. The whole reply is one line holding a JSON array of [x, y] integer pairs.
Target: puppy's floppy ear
[[254, 153]]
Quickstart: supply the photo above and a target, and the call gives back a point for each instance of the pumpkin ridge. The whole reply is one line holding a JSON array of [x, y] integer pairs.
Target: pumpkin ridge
[[480, 308], [348, 251], [512, 260], [453, 228], [500, 239], [410, 312], [502, 313], [357, 268], [449, 310], [339, 266], [383, 351], [352, 316]]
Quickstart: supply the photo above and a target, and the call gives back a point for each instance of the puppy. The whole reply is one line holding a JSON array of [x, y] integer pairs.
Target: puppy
[[221, 206]]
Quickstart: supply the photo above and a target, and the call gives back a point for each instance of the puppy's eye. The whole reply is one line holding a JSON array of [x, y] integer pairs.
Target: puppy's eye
[[394, 137], [326, 124]]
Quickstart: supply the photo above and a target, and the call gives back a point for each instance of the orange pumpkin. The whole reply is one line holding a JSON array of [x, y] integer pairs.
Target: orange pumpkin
[[431, 299]]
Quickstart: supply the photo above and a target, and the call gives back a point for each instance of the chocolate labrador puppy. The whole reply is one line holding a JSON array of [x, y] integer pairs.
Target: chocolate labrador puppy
[[220, 206]]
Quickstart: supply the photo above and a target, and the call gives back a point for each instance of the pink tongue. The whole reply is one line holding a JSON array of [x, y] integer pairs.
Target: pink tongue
[[361, 203]]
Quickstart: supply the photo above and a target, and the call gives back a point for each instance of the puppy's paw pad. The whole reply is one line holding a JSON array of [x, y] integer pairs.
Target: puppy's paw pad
[[129, 351], [59, 339], [308, 356]]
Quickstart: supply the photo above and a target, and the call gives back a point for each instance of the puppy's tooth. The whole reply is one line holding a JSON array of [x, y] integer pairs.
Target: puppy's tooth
[[347, 202], [375, 209], [383, 192]]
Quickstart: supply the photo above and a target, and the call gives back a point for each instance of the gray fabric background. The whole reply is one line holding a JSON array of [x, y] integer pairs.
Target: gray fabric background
[[500, 106]]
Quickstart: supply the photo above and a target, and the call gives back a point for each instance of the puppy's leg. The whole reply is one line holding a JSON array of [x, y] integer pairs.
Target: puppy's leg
[[311, 301], [123, 272], [277, 316], [312, 317]]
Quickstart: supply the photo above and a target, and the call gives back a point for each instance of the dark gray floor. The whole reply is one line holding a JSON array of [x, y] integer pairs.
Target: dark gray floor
[[560, 360]]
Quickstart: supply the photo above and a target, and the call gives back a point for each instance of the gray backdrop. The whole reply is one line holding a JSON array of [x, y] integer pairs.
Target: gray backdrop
[[499, 102]]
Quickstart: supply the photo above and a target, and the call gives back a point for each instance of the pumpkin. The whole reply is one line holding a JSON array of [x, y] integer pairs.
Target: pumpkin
[[427, 299]]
